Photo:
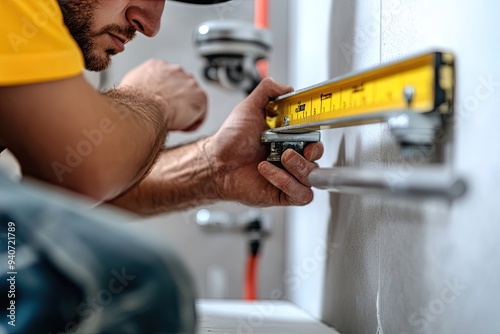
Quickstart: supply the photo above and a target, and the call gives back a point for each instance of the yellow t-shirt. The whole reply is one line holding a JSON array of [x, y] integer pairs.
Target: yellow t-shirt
[[35, 45]]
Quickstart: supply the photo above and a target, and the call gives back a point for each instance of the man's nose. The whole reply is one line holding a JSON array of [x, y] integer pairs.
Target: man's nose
[[145, 16]]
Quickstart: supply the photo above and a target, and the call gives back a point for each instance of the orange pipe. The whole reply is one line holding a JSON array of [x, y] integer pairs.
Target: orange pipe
[[261, 15], [261, 20], [250, 292]]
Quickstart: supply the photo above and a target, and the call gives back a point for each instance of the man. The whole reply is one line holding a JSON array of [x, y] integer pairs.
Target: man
[[104, 146], [80, 271]]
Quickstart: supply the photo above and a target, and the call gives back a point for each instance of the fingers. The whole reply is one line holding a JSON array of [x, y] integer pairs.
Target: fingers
[[313, 151], [266, 90], [294, 182], [293, 192], [176, 90], [298, 166]]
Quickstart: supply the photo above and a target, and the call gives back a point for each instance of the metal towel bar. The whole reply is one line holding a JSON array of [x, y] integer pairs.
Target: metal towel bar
[[419, 182]]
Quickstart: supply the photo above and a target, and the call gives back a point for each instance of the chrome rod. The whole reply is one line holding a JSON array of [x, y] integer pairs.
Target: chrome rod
[[417, 182]]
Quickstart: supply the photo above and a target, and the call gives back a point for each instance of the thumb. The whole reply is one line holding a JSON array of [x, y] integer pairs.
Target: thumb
[[267, 89]]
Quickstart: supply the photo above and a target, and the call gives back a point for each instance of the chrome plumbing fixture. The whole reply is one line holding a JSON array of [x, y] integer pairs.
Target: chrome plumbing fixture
[[232, 49]]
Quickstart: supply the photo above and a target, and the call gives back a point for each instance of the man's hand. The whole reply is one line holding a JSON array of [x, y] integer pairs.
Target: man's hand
[[176, 90], [238, 157]]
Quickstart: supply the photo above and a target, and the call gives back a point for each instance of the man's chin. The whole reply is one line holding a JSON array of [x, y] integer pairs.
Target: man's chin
[[97, 63]]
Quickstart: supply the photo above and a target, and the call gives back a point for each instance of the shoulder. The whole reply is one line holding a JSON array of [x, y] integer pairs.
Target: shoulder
[[36, 46]]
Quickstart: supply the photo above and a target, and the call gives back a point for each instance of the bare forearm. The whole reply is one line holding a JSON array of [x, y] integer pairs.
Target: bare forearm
[[147, 119], [182, 178]]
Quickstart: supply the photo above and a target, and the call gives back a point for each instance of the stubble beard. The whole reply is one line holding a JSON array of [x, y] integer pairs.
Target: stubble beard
[[79, 19]]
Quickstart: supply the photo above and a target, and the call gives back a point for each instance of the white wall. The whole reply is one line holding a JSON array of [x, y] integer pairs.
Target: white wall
[[216, 261], [399, 266]]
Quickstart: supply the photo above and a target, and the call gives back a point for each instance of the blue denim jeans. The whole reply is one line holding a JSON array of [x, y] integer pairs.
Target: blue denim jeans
[[69, 268]]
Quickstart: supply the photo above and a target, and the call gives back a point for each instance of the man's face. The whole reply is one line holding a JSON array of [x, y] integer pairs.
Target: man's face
[[103, 27]]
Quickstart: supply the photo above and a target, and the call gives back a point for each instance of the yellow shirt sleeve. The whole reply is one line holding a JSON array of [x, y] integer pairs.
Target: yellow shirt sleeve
[[35, 45]]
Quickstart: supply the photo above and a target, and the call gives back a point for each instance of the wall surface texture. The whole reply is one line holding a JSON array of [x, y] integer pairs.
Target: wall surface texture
[[367, 264]]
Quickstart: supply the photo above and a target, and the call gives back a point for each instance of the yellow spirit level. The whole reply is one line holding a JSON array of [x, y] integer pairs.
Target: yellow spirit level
[[411, 95]]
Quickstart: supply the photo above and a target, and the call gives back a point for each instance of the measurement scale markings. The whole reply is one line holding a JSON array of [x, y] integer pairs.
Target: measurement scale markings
[[372, 91]]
